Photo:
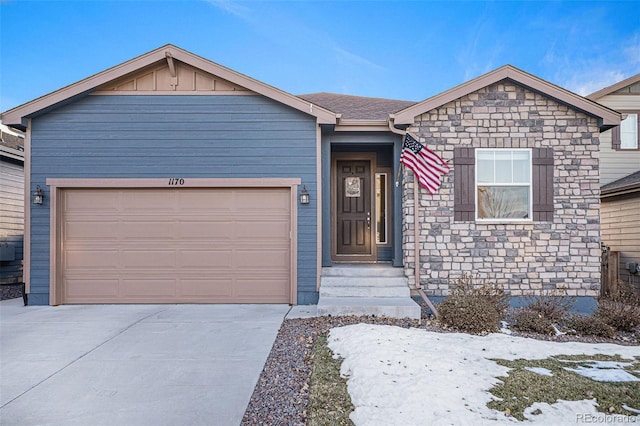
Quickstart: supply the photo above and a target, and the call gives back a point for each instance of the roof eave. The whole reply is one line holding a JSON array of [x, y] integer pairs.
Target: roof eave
[[16, 116], [15, 154], [609, 118], [621, 190], [614, 87], [362, 125]]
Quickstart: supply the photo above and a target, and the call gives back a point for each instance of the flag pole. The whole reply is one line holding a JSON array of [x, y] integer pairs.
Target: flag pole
[[400, 168], [416, 231], [416, 238]]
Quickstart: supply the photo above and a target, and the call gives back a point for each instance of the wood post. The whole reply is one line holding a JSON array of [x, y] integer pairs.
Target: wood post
[[613, 274]]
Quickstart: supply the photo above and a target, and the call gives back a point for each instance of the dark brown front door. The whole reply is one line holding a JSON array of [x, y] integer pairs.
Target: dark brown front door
[[353, 210]]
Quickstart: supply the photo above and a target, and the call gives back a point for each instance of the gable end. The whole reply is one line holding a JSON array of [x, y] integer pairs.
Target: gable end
[[170, 76]]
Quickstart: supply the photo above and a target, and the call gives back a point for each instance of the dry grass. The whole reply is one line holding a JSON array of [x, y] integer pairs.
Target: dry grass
[[521, 388], [329, 401]]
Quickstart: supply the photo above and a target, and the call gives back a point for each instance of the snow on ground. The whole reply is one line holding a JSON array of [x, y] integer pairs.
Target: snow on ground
[[406, 377]]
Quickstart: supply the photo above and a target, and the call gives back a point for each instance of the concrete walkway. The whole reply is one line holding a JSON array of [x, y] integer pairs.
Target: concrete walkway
[[132, 364]]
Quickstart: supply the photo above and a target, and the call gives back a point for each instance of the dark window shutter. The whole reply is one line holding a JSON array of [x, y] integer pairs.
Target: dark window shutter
[[542, 163], [464, 173], [615, 138]]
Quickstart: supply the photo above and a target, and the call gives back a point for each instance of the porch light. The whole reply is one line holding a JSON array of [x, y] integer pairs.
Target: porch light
[[304, 195], [38, 195]]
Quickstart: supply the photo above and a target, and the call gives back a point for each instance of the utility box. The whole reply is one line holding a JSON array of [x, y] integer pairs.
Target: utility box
[[7, 252]]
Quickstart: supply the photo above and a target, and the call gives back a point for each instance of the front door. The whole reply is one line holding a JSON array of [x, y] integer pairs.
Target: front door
[[353, 219]]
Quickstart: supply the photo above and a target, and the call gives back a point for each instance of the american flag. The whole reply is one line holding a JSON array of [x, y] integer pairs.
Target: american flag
[[426, 164]]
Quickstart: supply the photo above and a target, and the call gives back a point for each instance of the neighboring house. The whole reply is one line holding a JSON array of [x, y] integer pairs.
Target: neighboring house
[[620, 177], [170, 178], [11, 205]]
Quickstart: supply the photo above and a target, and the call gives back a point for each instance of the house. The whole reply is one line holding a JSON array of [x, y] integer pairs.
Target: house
[[171, 178], [620, 177], [11, 209]]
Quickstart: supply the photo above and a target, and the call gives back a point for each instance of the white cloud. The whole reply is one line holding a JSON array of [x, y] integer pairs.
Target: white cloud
[[232, 7], [593, 80], [607, 65], [355, 60]]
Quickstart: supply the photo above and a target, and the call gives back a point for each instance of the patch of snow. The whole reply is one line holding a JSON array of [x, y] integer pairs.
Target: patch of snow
[[604, 374], [540, 370], [557, 331], [598, 364], [400, 376], [633, 410], [603, 371], [504, 327]]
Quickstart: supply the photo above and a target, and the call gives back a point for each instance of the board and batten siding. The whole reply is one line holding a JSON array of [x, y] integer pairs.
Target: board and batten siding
[[621, 233], [162, 136], [615, 164], [11, 219]]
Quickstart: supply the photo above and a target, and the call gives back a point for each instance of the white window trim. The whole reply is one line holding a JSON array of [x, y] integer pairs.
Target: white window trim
[[635, 137], [530, 185], [385, 207]]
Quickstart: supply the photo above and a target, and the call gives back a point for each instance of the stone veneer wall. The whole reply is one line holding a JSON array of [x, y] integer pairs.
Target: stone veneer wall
[[525, 258]]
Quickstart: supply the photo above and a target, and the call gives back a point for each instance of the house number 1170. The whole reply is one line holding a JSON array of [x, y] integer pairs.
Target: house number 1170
[[176, 181]]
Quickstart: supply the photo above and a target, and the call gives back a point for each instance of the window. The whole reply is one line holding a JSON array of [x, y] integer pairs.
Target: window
[[626, 135], [465, 189], [629, 132], [381, 208], [503, 190]]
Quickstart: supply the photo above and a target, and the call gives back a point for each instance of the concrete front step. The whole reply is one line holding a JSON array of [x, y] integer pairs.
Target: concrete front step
[[364, 270], [364, 287], [394, 307]]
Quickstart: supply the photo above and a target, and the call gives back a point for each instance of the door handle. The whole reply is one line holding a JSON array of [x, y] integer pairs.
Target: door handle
[[368, 220]]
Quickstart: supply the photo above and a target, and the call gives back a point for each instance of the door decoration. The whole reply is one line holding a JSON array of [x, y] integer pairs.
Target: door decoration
[[352, 186]]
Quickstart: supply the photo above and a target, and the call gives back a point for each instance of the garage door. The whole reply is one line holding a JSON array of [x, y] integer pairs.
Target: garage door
[[187, 245]]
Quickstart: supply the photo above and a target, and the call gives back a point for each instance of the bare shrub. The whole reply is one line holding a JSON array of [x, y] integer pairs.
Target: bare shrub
[[618, 314], [553, 305], [532, 320], [590, 325], [621, 311], [473, 308]]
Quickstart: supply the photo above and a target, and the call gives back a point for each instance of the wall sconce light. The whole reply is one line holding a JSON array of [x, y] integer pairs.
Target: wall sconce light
[[304, 195], [38, 195]]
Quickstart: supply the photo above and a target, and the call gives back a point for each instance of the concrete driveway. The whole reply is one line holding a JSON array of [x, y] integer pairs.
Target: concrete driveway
[[132, 364]]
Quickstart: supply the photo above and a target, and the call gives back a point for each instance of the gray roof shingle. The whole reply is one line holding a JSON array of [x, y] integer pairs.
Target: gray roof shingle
[[357, 107], [632, 179]]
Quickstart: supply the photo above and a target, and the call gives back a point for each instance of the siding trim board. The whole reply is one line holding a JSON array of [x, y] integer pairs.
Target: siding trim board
[[57, 187], [17, 116], [26, 273]]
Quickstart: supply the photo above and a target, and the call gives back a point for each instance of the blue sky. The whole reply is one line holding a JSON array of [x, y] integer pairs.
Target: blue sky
[[407, 50]]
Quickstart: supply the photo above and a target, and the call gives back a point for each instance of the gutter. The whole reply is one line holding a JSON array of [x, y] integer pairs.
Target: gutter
[[621, 190], [15, 154]]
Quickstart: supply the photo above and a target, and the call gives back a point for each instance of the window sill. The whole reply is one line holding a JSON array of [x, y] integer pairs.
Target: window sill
[[503, 221]]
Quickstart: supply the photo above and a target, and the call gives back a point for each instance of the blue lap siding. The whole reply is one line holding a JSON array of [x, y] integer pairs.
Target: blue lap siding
[[174, 136]]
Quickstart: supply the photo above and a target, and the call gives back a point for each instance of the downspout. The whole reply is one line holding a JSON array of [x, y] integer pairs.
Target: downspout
[[416, 231]]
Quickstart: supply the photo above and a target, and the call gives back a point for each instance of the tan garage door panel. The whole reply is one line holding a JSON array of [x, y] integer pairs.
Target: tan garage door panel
[[187, 245]]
